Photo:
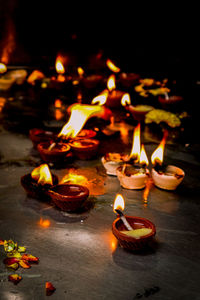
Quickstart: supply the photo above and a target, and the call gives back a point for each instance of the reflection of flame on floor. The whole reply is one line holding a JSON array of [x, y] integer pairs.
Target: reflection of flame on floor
[[88, 177], [44, 223]]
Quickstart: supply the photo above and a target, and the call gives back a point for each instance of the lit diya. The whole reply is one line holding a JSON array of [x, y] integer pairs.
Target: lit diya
[[165, 177], [68, 197], [59, 81], [133, 233], [38, 182], [112, 160], [134, 174]]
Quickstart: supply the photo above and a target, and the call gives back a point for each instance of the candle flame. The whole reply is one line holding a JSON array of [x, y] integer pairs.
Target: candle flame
[[126, 100], [3, 68], [80, 71], [42, 174], [59, 65], [112, 66], [119, 202], [111, 83], [100, 99], [157, 155], [80, 113], [135, 152], [143, 156]]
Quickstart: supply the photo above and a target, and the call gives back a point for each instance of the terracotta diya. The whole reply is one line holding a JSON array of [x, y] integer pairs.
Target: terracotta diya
[[37, 183], [133, 233], [54, 152], [111, 161], [139, 111], [169, 101], [84, 148], [165, 177], [39, 135], [68, 197], [128, 79], [114, 96]]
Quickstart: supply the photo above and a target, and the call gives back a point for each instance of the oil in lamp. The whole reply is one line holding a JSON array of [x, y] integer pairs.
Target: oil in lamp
[[133, 233], [134, 173], [165, 177], [68, 197], [38, 182]]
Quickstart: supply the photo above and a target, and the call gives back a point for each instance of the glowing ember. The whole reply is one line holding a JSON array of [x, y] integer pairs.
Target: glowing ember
[[42, 174], [3, 68], [126, 100], [119, 202], [135, 152], [101, 99], [80, 113], [143, 157], [59, 66], [111, 83], [111, 66], [44, 223], [157, 155]]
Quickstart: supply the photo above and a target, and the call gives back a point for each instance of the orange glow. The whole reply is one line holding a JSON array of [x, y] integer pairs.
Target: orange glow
[[59, 66], [126, 100], [58, 103], [80, 113], [74, 179], [111, 66], [111, 83], [100, 99], [35, 75], [58, 114], [80, 71], [3, 68], [2, 103], [8, 43], [157, 155], [119, 202], [143, 156], [44, 223], [135, 152], [42, 174]]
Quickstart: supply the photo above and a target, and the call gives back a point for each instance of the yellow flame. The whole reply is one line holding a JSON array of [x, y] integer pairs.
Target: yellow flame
[[135, 152], [42, 174], [111, 83], [119, 202], [126, 100], [112, 66], [80, 113], [59, 66], [80, 71], [3, 68], [143, 156], [100, 99], [157, 155]]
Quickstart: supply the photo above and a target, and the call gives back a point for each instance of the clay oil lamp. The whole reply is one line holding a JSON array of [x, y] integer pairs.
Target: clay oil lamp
[[112, 160], [38, 135], [170, 101], [38, 182], [114, 95], [54, 152], [134, 174], [165, 177], [127, 80], [68, 197], [92, 81], [133, 233], [6, 81], [61, 80]]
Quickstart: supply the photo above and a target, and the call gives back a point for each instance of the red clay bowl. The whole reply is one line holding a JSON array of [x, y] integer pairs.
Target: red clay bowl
[[35, 190], [172, 101], [139, 111], [59, 153], [128, 242], [39, 135], [68, 197], [85, 148]]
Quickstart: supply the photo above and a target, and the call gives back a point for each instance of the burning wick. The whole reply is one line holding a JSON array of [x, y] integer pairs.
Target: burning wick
[[52, 146], [119, 203]]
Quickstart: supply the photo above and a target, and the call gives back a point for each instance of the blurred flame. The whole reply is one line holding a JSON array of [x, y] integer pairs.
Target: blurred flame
[[44, 223], [35, 75], [59, 65], [157, 155], [126, 100], [119, 202], [3, 68], [74, 178], [58, 114], [2, 103], [100, 99], [143, 157], [80, 71], [80, 113], [111, 66], [8, 43], [111, 83], [42, 174], [58, 103], [135, 152]]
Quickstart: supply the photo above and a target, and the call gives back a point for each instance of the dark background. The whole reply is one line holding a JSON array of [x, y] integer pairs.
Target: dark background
[[138, 37]]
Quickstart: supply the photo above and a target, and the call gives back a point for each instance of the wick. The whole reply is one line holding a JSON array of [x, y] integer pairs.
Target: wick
[[166, 96], [123, 168], [124, 220], [51, 146]]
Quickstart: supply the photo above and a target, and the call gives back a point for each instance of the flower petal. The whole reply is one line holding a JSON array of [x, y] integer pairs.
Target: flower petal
[[49, 288], [9, 246], [1, 242], [15, 278], [21, 249], [24, 264], [10, 260], [30, 258]]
